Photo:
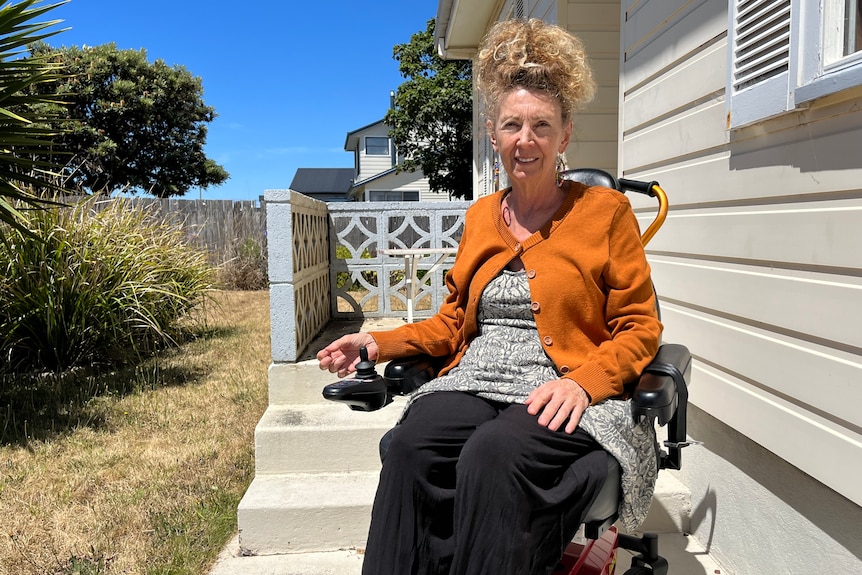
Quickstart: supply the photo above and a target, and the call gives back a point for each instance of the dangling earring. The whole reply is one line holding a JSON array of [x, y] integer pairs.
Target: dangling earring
[[561, 169]]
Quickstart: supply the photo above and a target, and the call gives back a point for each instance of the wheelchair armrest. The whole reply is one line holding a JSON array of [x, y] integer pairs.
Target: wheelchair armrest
[[662, 394], [407, 374], [656, 393]]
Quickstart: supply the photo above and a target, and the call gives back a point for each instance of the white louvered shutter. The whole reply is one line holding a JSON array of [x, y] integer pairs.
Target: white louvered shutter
[[761, 48], [758, 84]]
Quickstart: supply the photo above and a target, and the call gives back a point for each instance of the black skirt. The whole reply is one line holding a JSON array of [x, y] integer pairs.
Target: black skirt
[[471, 486]]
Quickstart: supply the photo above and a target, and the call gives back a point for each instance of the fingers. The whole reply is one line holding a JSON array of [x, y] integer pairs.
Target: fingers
[[342, 355], [558, 402]]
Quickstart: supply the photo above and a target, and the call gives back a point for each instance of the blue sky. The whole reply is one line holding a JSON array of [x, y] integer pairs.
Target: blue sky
[[288, 79]]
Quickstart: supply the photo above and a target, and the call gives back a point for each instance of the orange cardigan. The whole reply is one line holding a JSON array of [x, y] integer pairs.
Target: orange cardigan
[[593, 300]]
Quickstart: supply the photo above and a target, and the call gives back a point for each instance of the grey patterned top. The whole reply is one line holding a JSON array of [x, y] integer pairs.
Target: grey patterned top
[[506, 361]]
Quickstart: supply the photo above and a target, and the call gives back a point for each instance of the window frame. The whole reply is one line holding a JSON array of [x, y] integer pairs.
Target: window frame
[[817, 79], [806, 78], [388, 146], [388, 195]]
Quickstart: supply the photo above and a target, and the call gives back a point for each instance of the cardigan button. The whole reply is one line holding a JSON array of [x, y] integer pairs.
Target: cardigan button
[[531, 274], [518, 248], [535, 307], [548, 340], [565, 369]]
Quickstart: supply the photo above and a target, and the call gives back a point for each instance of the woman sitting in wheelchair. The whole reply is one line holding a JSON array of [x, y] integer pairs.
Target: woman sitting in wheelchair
[[550, 312]]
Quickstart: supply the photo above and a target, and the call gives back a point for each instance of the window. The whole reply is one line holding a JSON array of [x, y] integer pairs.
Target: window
[[785, 53], [376, 146], [393, 196], [843, 35]]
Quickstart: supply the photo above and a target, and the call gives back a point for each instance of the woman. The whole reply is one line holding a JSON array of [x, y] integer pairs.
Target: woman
[[550, 312]]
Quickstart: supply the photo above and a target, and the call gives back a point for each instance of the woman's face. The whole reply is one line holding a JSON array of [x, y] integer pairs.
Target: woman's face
[[528, 134]]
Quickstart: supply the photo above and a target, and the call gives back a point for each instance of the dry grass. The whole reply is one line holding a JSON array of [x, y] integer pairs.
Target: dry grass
[[396, 304], [149, 482]]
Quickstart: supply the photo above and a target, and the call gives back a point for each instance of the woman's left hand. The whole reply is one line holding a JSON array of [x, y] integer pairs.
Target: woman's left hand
[[558, 400]]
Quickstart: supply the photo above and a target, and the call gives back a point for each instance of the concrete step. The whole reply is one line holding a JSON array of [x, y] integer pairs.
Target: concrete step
[[684, 554], [670, 511], [296, 383], [302, 513], [322, 437], [231, 561], [323, 512]]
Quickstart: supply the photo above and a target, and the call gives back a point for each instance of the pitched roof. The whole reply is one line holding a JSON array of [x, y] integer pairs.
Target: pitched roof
[[352, 140], [310, 181]]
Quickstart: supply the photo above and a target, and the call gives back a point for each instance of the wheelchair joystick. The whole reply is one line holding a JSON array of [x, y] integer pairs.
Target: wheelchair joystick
[[366, 391], [365, 367]]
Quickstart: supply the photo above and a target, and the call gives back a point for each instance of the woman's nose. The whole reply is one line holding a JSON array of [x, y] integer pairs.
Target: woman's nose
[[525, 136]]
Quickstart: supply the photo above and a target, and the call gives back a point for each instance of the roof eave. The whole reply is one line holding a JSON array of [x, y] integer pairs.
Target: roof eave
[[354, 135], [460, 25]]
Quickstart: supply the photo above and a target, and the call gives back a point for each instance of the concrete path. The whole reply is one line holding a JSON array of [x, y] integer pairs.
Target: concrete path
[[684, 554]]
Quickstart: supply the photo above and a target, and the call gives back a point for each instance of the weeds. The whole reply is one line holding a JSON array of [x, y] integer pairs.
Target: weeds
[[246, 269]]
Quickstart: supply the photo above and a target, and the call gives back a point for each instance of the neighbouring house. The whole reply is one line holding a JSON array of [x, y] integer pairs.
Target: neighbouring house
[[749, 112], [324, 184], [376, 177]]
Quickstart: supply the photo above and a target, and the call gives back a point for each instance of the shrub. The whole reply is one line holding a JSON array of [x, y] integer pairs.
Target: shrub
[[247, 267], [94, 283], [342, 279]]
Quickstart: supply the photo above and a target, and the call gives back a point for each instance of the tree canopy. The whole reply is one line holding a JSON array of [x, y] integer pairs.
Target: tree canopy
[[432, 121], [129, 124]]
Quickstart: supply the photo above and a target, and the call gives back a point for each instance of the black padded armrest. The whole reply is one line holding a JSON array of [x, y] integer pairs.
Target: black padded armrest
[[662, 393], [657, 392], [407, 374]]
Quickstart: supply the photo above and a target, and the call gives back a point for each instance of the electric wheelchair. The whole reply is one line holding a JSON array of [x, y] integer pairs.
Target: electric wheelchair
[[660, 394]]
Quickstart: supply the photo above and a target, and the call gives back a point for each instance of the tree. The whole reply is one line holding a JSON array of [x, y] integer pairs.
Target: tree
[[432, 121], [132, 124], [23, 134]]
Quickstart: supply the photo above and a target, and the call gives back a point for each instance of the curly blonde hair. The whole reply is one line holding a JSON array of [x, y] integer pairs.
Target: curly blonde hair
[[535, 55]]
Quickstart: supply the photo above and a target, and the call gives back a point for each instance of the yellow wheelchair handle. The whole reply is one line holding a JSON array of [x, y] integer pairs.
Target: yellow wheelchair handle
[[653, 190]]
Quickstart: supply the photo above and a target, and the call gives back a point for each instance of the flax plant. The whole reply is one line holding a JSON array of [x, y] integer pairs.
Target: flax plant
[[96, 283], [23, 112]]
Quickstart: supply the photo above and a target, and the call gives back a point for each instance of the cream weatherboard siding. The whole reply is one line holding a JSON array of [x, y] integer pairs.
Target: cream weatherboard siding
[[759, 265], [370, 164], [376, 170], [597, 24], [406, 181]]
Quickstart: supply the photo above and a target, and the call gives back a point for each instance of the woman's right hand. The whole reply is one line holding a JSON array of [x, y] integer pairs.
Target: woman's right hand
[[342, 355]]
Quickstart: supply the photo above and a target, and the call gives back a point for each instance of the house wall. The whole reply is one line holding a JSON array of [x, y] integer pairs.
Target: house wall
[[597, 24], [371, 165], [406, 181], [760, 274]]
